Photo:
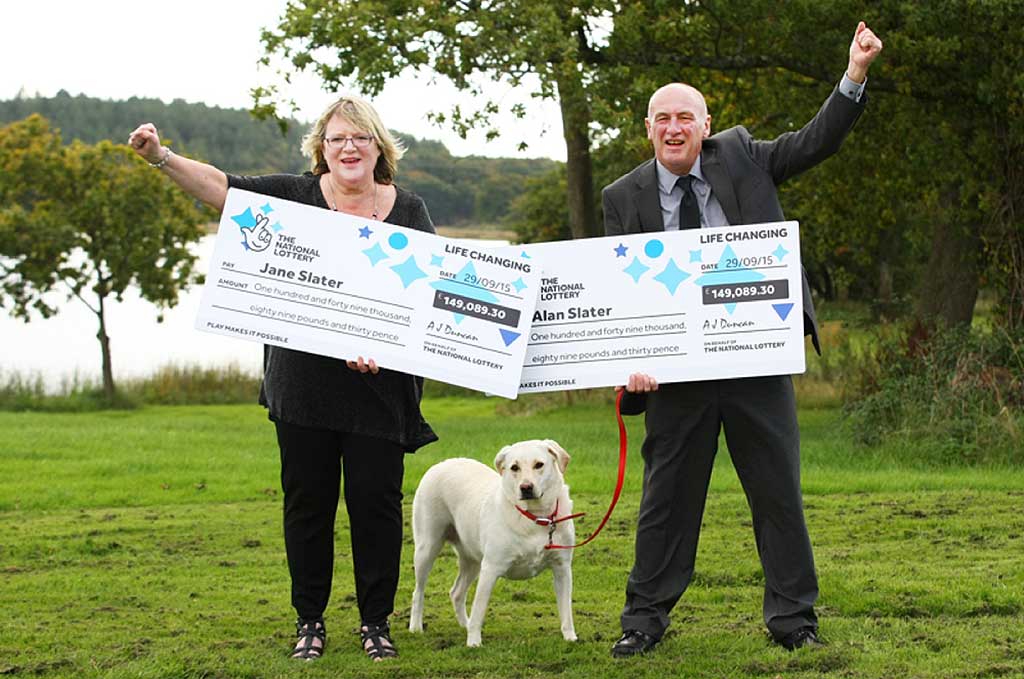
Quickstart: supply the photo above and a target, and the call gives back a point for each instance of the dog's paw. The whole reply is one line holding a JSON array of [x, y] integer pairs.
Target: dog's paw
[[473, 640], [569, 636]]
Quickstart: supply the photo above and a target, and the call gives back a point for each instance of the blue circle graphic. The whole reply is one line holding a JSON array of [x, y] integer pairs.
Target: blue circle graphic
[[398, 241], [654, 248]]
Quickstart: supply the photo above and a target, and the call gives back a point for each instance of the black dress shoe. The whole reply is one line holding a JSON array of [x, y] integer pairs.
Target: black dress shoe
[[633, 642], [803, 637]]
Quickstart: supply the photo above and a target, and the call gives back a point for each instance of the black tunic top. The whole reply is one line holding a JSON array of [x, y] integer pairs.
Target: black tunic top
[[321, 392]]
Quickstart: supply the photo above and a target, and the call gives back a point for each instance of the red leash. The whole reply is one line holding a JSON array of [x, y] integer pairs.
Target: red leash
[[618, 484]]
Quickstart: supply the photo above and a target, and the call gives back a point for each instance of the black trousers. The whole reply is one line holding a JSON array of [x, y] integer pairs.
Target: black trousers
[[312, 464], [683, 421]]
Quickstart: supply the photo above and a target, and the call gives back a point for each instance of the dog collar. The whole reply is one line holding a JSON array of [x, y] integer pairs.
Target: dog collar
[[549, 520]]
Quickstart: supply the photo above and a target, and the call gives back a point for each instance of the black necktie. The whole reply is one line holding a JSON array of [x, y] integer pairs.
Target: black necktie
[[689, 211]]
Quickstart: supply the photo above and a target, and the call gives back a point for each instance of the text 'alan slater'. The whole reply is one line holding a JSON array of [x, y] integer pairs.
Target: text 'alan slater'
[[571, 314]]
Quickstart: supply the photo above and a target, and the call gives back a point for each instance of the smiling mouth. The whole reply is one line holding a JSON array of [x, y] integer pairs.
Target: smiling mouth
[[675, 142]]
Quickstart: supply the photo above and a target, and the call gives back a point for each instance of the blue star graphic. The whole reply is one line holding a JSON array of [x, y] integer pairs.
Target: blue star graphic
[[524, 255], [266, 209], [723, 275], [672, 276], [636, 269], [518, 284], [277, 227], [695, 256], [436, 260], [365, 232], [244, 220], [375, 254], [780, 252], [465, 289], [409, 271], [621, 250]]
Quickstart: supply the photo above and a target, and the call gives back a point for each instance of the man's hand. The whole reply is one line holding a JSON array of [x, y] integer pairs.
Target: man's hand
[[863, 50], [639, 383]]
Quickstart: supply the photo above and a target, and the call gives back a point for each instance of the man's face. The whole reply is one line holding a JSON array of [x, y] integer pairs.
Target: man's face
[[677, 123]]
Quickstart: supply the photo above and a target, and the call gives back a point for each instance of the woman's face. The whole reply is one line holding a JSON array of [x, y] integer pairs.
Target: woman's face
[[351, 161]]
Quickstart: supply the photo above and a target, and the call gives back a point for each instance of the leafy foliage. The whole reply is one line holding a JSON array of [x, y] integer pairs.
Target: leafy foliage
[[540, 214], [961, 389], [545, 45], [924, 200], [100, 220], [457, 190], [227, 138]]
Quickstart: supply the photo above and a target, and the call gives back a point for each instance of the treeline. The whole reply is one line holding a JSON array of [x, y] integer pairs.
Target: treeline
[[457, 190]]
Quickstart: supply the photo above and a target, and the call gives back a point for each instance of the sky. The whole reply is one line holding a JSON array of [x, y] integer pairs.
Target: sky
[[207, 51]]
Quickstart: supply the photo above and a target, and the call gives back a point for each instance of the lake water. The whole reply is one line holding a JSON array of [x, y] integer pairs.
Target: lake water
[[64, 345]]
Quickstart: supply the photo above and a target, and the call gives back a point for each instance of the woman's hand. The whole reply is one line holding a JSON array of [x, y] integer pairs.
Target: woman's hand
[[146, 142], [199, 180], [369, 365]]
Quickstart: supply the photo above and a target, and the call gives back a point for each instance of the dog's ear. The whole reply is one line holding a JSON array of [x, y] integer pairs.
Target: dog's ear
[[499, 460], [558, 452]]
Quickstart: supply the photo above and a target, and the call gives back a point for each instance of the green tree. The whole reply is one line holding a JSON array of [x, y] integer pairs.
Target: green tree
[[89, 220], [930, 179], [540, 214], [372, 41]]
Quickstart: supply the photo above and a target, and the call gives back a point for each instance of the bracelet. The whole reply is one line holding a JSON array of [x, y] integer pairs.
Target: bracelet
[[162, 161]]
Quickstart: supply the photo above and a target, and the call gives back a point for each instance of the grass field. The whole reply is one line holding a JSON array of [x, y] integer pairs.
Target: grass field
[[148, 544]]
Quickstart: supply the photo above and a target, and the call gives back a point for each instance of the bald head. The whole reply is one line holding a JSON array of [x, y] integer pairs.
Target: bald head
[[677, 124], [675, 90]]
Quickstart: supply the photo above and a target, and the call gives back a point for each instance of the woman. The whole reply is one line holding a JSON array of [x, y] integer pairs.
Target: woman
[[332, 421]]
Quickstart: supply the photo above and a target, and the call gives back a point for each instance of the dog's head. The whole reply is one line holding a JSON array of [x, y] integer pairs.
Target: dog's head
[[531, 469]]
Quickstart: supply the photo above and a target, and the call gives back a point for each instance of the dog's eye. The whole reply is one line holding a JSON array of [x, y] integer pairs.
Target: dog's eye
[[538, 465], [515, 467]]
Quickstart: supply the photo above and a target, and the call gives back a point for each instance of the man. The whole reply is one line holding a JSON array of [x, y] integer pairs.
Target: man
[[698, 180]]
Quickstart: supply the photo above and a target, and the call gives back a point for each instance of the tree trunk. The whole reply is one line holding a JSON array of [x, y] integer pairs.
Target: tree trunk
[[108, 371], [579, 173], [884, 283], [948, 288]]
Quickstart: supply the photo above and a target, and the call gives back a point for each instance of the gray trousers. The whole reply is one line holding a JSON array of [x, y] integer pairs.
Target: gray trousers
[[683, 422]]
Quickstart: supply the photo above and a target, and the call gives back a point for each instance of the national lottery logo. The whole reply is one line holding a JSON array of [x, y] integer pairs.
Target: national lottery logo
[[257, 231]]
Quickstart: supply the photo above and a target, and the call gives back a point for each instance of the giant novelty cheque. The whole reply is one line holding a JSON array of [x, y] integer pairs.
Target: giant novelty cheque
[[680, 305], [686, 305], [323, 282]]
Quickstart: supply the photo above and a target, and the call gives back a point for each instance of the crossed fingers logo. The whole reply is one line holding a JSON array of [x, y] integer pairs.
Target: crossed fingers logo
[[257, 232]]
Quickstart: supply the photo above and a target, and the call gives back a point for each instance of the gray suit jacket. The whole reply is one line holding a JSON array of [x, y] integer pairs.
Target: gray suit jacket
[[744, 173]]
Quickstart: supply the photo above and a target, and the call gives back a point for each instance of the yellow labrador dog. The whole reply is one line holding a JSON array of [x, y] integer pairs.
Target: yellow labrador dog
[[499, 524]]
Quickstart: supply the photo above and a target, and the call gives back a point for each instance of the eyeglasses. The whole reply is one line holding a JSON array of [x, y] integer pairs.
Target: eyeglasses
[[359, 141]]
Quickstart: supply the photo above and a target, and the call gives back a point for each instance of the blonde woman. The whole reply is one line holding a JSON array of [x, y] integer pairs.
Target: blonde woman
[[334, 421]]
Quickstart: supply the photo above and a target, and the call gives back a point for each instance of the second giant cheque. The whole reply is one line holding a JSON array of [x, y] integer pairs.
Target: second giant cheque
[[323, 282], [679, 305]]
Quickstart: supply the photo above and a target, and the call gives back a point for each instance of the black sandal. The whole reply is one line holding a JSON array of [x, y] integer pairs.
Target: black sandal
[[307, 631], [376, 635]]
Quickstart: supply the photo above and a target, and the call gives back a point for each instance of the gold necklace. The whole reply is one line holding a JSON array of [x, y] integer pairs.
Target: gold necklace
[[334, 201]]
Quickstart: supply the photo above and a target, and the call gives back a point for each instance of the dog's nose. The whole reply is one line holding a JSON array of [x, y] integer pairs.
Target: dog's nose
[[526, 490]]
